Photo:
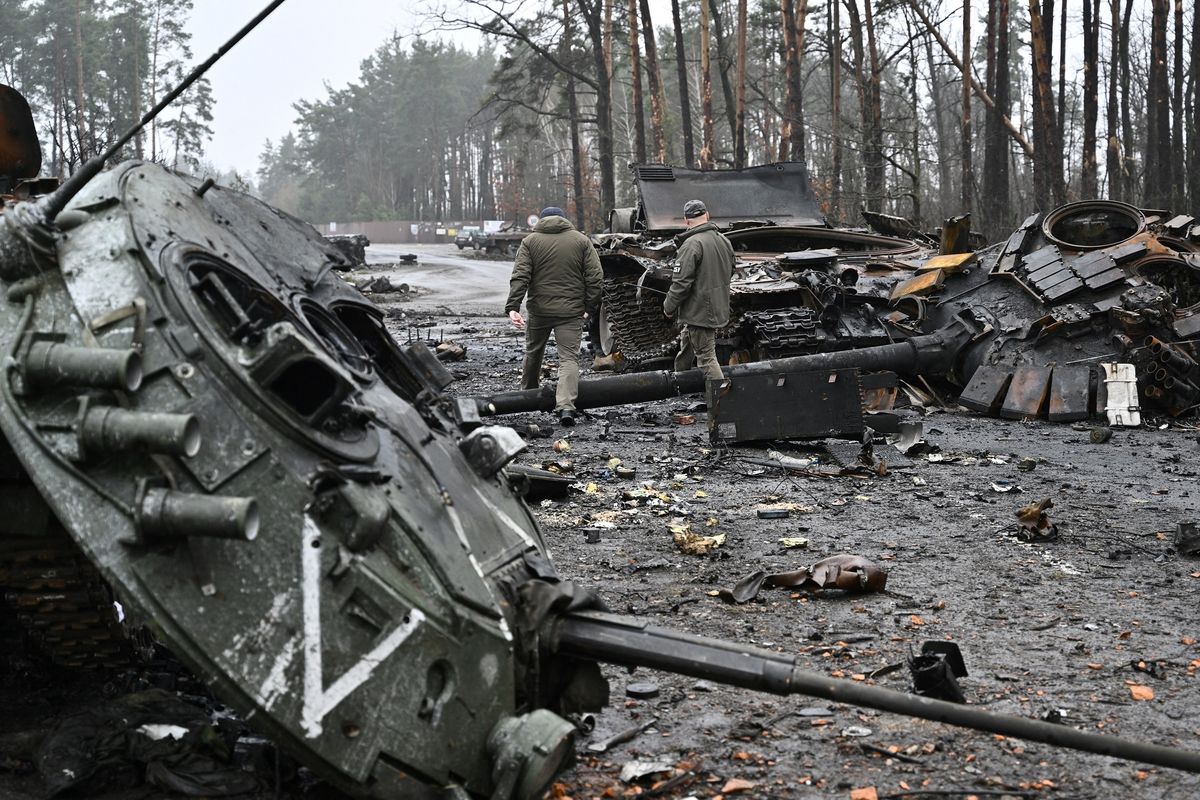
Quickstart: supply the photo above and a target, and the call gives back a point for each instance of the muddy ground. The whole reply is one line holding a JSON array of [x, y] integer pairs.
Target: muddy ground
[[1079, 628]]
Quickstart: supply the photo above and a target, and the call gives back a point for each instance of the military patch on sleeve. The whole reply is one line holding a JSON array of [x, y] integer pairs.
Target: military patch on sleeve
[[676, 268]]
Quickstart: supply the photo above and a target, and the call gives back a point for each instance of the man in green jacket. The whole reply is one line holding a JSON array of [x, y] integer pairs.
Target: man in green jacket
[[699, 295], [559, 270]]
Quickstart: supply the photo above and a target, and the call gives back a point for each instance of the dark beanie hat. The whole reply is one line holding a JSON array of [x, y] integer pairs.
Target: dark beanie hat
[[552, 211], [694, 208]]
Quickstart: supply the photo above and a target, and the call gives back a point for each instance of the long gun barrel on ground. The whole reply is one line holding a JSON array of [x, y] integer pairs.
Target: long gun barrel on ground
[[931, 353], [619, 640]]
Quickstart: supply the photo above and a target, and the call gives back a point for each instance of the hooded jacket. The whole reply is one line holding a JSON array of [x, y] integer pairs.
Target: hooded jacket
[[558, 268], [699, 294]]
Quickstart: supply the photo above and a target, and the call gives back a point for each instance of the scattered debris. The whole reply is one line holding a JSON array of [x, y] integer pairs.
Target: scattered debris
[[151, 735], [634, 771], [936, 670], [1187, 539], [383, 284], [793, 542], [643, 690], [627, 735], [451, 351], [694, 544], [1034, 523], [353, 246], [845, 572]]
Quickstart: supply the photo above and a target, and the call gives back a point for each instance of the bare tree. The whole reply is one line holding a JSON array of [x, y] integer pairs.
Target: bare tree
[[739, 144], [968, 177], [1091, 96], [706, 104], [635, 66], [685, 105], [658, 100]]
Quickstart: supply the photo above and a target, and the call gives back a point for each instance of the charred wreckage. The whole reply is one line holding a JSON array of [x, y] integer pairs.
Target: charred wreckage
[[219, 432], [1080, 312]]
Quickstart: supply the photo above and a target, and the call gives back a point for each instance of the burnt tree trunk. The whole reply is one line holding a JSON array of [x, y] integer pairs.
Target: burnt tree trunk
[[968, 176], [685, 105], [1193, 116], [658, 101], [787, 18], [835, 111], [706, 106], [994, 198], [873, 162], [1047, 180], [724, 64], [573, 124], [1091, 96], [1061, 124], [635, 67], [1129, 183], [1157, 152], [800, 18], [739, 138], [1177, 162], [1112, 165], [592, 12]]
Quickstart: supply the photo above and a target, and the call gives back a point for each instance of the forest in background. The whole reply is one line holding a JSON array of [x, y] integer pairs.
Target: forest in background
[[91, 68], [1062, 100]]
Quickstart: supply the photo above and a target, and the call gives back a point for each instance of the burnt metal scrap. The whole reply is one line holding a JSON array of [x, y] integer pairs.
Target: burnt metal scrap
[[352, 245], [196, 405]]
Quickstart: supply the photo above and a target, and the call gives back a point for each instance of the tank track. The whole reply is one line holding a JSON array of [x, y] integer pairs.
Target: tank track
[[640, 331], [63, 607], [784, 332]]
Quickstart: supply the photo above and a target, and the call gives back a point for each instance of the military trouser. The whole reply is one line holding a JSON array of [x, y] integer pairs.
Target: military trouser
[[567, 335], [698, 347]]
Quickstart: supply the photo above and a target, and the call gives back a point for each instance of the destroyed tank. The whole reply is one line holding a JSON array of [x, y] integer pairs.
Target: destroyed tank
[[801, 286], [226, 432], [1056, 309]]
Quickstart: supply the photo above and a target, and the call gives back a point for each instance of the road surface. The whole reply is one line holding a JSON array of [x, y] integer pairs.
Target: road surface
[[443, 276]]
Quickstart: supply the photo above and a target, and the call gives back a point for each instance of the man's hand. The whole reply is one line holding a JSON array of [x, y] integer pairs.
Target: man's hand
[[666, 314], [517, 320]]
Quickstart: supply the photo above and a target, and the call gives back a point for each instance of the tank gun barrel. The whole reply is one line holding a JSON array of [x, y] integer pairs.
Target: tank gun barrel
[[632, 643], [935, 352]]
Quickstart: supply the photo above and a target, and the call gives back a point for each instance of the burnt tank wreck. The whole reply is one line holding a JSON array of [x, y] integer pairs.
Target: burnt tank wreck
[[218, 432], [1020, 329]]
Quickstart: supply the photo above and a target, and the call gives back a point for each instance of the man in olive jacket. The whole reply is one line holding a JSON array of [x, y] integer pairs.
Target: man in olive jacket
[[559, 269], [699, 295]]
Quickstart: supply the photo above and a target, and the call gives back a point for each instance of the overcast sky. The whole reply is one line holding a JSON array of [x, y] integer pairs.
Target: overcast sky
[[291, 56], [303, 46]]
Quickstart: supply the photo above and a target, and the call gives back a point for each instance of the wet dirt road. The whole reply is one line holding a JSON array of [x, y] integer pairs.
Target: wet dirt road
[[445, 277]]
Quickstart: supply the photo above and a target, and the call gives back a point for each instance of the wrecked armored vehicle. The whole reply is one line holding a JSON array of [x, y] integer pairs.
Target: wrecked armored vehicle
[[1090, 309], [801, 285], [1086, 284]]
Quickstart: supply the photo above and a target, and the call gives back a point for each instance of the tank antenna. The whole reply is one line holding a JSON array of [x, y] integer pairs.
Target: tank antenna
[[55, 202]]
